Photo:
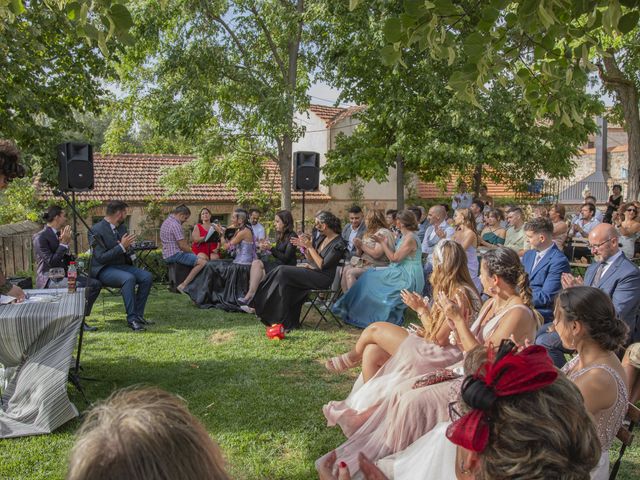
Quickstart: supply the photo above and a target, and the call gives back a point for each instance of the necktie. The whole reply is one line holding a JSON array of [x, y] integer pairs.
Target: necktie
[[598, 275], [116, 234], [537, 260]]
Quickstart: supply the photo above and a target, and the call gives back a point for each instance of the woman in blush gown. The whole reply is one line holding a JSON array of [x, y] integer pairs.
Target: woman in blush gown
[[391, 354], [221, 282], [414, 407], [375, 297], [280, 296], [466, 236]]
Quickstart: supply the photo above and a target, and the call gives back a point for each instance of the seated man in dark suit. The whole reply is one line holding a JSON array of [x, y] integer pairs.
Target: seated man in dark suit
[[51, 248], [113, 266], [614, 274]]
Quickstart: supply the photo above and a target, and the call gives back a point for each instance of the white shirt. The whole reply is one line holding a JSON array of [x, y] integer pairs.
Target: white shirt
[[463, 200], [258, 232], [352, 237], [540, 255], [587, 227], [609, 261], [431, 239]]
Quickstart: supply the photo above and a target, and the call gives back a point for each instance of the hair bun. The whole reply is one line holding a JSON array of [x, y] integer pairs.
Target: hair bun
[[477, 394]]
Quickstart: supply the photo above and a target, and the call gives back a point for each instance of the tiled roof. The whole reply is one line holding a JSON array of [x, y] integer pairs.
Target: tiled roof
[[134, 177], [347, 112], [326, 113], [431, 190]]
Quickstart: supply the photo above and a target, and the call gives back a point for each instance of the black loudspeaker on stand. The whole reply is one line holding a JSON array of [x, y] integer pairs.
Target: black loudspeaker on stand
[[306, 174]]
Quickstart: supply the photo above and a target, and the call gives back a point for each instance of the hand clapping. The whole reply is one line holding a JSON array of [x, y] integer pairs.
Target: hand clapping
[[415, 302], [65, 235], [127, 240], [569, 281], [303, 241]]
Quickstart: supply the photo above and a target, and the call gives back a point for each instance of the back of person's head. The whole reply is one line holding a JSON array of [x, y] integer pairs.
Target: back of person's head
[[355, 209], [330, 220], [52, 212], [9, 161], [523, 418], [182, 210], [539, 226], [375, 220], [392, 212], [408, 219], [594, 309], [417, 212], [116, 206], [144, 434]]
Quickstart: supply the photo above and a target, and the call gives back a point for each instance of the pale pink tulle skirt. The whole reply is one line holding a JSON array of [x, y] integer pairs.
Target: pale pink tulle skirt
[[414, 358]]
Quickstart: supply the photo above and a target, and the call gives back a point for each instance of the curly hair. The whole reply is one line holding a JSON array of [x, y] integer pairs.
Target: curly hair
[[538, 435], [330, 220], [505, 263], [595, 311], [450, 276]]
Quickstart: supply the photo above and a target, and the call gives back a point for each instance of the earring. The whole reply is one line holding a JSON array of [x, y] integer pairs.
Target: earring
[[462, 469]]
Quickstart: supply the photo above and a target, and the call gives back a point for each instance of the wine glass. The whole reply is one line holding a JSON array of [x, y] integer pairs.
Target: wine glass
[[56, 275]]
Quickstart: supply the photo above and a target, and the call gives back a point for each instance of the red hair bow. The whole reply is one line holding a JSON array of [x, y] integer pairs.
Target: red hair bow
[[514, 373]]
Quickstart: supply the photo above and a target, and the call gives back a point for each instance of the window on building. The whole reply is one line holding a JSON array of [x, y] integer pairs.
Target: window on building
[[624, 173]]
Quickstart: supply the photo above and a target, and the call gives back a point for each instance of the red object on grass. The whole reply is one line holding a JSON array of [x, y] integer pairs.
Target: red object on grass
[[276, 331]]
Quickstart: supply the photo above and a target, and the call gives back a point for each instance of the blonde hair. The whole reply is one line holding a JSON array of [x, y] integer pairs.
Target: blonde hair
[[450, 276], [374, 221], [467, 219], [538, 435], [141, 434]]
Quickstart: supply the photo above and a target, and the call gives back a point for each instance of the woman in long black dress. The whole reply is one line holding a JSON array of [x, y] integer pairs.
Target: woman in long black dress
[[282, 253], [280, 296]]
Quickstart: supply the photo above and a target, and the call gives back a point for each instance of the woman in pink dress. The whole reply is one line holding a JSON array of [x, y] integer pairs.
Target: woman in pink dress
[[390, 354], [411, 409]]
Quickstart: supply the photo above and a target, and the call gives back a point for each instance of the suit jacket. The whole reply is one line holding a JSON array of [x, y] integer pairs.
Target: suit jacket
[[621, 282], [49, 254], [107, 249], [545, 279], [346, 233]]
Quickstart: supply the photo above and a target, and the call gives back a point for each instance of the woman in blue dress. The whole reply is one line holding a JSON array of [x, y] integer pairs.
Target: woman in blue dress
[[375, 297]]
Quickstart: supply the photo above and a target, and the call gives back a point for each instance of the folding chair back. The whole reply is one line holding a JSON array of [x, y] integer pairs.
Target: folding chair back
[[625, 436], [322, 300]]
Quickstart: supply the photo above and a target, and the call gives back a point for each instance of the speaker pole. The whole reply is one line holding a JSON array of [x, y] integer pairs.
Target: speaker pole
[[75, 223], [303, 192]]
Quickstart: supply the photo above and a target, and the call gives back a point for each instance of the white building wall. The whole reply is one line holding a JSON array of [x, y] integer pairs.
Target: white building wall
[[315, 139]]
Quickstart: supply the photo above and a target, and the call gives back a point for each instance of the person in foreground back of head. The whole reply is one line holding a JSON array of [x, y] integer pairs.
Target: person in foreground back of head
[[517, 417], [144, 434]]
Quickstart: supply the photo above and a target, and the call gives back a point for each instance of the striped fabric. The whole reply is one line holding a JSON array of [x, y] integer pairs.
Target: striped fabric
[[36, 347]]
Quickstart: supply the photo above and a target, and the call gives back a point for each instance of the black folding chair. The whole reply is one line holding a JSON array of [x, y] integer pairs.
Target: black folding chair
[[322, 300], [625, 436]]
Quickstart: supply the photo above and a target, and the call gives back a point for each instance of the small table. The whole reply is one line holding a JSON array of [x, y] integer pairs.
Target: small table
[[36, 348]]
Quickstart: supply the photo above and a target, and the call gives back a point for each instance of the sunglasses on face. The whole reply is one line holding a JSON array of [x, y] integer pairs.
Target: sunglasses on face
[[632, 210]]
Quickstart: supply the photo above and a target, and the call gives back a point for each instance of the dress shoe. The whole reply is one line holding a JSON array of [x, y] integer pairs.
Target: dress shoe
[[88, 328], [145, 321], [136, 326]]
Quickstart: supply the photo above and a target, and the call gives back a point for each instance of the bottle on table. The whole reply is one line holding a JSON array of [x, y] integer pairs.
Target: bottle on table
[[72, 276]]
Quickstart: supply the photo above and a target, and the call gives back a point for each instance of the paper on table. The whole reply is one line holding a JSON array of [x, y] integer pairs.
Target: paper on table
[[5, 299]]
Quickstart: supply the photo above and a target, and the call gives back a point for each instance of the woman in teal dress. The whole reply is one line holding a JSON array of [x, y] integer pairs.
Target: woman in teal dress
[[493, 234], [375, 297]]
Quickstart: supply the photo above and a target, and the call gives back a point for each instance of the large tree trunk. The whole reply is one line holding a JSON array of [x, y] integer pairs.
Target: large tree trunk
[[627, 95], [477, 180], [284, 162]]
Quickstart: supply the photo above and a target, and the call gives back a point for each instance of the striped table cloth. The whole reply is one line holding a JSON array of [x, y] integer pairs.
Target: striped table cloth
[[36, 347]]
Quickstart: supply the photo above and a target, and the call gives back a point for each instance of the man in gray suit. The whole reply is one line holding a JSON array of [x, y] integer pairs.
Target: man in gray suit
[[113, 266], [614, 274], [354, 229]]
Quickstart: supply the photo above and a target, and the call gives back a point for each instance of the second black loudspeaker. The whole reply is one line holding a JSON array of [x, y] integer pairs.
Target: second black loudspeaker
[[306, 171], [75, 163]]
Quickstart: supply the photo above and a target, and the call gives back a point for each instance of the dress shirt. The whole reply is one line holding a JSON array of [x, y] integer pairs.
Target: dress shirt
[[587, 227], [258, 232], [540, 255], [431, 239], [609, 261], [115, 234], [464, 201]]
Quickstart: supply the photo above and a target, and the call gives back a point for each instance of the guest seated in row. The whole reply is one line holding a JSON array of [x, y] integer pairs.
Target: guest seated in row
[[477, 211], [282, 253], [222, 283], [415, 406], [203, 248], [466, 235], [390, 354], [631, 365], [628, 226], [516, 417], [598, 215], [354, 229], [544, 264], [376, 295], [560, 228], [51, 249], [422, 227], [515, 237], [580, 228], [437, 231], [493, 234], [615, 275], [175, 248], [280, 296], [369, 252], [144, 434], [112, 264]]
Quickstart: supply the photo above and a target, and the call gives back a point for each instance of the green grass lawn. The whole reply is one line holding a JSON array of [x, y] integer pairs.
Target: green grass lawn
[[260, 399]]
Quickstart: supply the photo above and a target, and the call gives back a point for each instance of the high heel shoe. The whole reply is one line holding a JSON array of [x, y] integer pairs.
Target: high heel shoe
[[340, 363], [245, 300]]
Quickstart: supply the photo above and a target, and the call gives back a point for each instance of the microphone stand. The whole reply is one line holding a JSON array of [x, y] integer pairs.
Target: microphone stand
[[74, 375]]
